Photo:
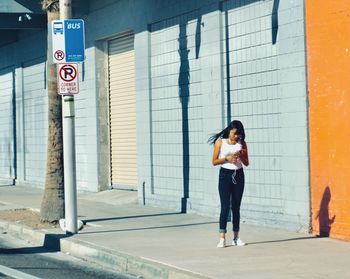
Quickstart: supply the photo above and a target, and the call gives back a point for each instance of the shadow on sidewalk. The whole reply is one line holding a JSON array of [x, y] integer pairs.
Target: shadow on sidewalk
[[283, 240], [51, 244], [26, 250], [128, 217], [151, 228]]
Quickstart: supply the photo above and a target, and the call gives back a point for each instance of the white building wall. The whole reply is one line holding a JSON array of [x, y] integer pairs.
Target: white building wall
[[266, 58], [181, 63], [7, 122], [35, 124], [29, 56]]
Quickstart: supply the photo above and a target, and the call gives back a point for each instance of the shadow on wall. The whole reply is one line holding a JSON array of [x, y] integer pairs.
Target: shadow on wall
[[228, 74], [274, 32], [14, 129], [184, 95], [325, 222], [274, 20]]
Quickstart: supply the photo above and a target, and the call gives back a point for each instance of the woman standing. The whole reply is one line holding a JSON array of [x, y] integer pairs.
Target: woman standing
[[230, 151]]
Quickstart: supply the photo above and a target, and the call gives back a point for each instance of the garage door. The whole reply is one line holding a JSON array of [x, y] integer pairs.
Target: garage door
[[122, 101]]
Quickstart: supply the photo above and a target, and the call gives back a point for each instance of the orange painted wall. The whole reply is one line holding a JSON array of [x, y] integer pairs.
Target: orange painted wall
[[328, 62]]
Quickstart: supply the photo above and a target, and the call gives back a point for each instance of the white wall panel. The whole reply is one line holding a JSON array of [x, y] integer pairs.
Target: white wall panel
[[6, 124]]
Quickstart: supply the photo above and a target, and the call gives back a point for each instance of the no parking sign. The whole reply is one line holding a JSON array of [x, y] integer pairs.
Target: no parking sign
[[68, 81]]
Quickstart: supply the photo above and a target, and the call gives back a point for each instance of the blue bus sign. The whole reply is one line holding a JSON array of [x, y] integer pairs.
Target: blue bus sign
[[74, 40], [68, 40]]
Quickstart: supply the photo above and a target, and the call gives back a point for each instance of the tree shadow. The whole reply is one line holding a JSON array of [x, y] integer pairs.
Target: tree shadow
[[198, 36], [325, 222], [184, 95], [274, 21], [14, 131]]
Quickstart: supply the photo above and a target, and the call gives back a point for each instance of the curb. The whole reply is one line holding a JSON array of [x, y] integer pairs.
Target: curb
[[121, 262]]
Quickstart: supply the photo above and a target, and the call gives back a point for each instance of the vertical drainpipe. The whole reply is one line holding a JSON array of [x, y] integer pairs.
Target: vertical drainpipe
[[307, 118]]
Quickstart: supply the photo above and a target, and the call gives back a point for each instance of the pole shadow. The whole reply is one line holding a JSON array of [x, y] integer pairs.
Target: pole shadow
[[282, 240], [150, 228], [128, 217], [325, 222]]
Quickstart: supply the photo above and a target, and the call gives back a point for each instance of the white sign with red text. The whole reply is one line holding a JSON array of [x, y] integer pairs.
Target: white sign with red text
[[68, 81]]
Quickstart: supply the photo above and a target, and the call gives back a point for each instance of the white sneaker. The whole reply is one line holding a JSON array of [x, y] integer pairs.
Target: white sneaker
[[222, 243], [237, 242]]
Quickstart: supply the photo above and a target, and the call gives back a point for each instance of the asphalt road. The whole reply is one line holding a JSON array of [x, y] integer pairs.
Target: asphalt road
[[19, 259]]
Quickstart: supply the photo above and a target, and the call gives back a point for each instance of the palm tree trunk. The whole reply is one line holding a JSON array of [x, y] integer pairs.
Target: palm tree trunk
[[52, 205]]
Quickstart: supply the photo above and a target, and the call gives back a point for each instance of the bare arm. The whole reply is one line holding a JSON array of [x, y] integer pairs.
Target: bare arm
[[215, 160], [243, 154]]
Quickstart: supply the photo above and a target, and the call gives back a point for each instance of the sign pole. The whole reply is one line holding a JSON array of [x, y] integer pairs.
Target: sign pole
[[70, 188]]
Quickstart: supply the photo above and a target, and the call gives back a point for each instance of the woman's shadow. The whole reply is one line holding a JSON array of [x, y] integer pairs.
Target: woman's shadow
[[325, 222]]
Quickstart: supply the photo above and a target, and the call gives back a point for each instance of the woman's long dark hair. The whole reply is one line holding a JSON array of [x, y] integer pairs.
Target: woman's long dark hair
[[235, 124]]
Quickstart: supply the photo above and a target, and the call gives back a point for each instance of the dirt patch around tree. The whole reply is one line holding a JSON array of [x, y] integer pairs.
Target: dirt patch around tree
[[27, 217]]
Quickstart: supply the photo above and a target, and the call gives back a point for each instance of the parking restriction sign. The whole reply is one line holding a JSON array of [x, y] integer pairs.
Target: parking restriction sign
[[68, 81]]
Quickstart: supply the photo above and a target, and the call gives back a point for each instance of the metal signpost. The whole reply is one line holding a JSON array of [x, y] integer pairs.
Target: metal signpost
[[68, 47]]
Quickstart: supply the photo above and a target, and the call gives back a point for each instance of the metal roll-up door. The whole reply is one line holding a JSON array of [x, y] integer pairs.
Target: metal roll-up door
[[122, 105]]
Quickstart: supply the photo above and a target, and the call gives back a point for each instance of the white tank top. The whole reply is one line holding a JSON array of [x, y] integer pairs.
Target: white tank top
[[229, 149]]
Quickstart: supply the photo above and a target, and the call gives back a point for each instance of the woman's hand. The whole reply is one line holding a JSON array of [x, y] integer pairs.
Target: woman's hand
[[230, 158]]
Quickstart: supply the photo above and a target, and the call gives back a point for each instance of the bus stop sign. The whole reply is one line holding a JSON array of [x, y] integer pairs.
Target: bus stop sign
[[68, 40]]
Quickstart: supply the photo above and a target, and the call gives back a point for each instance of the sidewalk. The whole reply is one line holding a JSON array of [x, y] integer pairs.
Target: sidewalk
[[160, 243]]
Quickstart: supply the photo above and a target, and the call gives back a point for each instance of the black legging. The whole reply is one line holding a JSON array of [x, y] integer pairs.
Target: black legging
[[229, 191]]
